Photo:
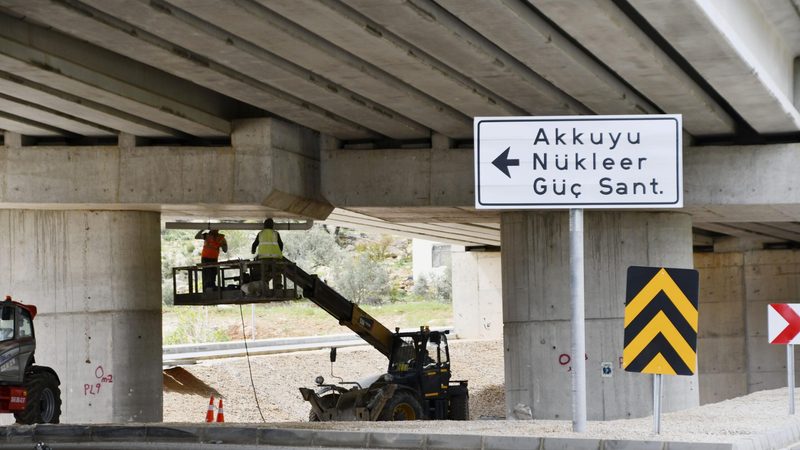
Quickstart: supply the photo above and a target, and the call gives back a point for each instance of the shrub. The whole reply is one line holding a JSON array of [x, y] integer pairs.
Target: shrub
[[377, 250], [362, 280], [436, 285], [314, 250]]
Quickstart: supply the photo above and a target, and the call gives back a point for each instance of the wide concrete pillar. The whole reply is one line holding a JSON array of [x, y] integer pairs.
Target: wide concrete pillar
[[95, 279], [537, 310]]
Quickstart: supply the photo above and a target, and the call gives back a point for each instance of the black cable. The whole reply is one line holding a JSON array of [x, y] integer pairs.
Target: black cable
[[250, 368]]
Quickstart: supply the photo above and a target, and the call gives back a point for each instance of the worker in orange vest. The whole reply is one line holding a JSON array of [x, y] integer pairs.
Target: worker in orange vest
[[213, 241]]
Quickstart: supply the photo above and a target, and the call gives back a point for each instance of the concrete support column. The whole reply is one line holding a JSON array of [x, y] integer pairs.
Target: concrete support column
[[722, 335], [95, 279], [477, 295], [736, 287], [536, 310]]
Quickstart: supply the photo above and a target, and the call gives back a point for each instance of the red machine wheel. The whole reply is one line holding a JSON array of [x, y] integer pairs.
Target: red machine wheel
[[44, 398]]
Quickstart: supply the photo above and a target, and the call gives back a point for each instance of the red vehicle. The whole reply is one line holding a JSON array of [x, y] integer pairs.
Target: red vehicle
[[29, 391]]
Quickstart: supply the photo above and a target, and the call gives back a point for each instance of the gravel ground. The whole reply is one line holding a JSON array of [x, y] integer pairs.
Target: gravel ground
[[277, 377], [726, 421]]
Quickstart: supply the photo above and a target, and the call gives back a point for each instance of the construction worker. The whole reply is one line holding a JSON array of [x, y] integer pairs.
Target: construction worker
[[268, 245], [213, 241]]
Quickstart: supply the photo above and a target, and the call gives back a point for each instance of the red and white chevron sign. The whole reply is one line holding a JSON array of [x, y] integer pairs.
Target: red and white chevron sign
[[783, 322]]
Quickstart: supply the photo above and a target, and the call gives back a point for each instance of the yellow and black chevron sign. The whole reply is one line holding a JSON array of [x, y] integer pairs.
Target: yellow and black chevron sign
[[661, 321]]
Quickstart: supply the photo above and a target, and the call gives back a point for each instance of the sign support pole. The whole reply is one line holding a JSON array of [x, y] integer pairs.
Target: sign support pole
[[657, 384], [578, 322], [790, 373]]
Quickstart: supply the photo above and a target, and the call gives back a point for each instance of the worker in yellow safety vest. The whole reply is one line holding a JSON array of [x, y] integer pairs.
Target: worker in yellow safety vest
[[268, 245], [213, 241]]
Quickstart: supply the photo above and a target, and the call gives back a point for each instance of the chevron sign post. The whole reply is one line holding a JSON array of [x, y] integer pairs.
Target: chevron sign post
[[660, 325], [783, 327], [661, 321]]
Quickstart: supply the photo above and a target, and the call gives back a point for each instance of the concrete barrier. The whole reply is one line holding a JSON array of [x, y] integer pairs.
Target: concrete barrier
[[237, 437]]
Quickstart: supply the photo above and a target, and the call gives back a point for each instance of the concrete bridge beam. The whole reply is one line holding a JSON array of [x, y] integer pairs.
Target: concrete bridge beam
[[272, 168], [721, 184], [739, 52]]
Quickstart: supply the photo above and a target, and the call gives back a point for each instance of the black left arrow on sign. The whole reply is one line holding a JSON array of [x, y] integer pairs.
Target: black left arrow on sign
[[502, 162]]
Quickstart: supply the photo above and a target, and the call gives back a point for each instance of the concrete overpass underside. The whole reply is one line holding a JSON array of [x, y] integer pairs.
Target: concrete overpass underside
[[119, 113]]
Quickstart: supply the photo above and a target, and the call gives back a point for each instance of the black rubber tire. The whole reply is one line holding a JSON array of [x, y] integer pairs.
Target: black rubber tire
[[44, 398], [459, 406], [327, 401], [402, 406]]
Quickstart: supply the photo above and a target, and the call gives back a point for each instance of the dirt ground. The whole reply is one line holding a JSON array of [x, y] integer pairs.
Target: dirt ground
[[277, 378]]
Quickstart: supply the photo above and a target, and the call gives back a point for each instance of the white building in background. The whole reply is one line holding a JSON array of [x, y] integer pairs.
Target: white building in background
[[429, 257], [421, 257]]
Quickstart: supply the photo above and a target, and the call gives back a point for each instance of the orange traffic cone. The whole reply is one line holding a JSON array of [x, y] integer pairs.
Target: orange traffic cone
[[220, 413], [210, 412]]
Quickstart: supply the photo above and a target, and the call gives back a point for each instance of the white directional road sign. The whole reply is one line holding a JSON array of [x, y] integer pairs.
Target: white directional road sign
[[578, 162]]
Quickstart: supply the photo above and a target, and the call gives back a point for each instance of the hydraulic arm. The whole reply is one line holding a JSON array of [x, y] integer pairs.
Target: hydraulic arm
[[345, 311]]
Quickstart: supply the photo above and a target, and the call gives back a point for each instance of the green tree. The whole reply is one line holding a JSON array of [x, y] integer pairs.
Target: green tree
[[377, 248], [314, 250], [362, 280]]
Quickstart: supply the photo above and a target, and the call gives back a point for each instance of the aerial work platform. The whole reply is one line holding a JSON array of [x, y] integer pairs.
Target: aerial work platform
[[238, 281], [274, 280]]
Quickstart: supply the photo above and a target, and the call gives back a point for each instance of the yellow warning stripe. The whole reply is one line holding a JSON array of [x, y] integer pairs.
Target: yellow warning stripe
[[660, 324], [661, 282], [659, 365]]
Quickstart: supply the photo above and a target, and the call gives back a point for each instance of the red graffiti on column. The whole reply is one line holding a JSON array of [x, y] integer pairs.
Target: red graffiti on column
[[102, 378]]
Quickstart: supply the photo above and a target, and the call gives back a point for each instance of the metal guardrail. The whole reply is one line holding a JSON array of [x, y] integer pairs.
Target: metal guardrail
[[189, 353]]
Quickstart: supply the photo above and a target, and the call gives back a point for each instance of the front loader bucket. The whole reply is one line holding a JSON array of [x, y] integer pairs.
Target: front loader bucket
[[352, 405]]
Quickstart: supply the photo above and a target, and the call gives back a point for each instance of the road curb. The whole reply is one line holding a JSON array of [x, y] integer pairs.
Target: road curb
[[233, 436]]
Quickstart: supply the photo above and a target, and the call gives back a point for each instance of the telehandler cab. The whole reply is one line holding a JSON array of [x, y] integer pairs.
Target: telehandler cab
[[416, 386], [29, 391]]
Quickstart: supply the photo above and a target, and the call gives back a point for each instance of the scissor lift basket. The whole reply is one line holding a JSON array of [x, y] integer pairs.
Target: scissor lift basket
[[238, 281]]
